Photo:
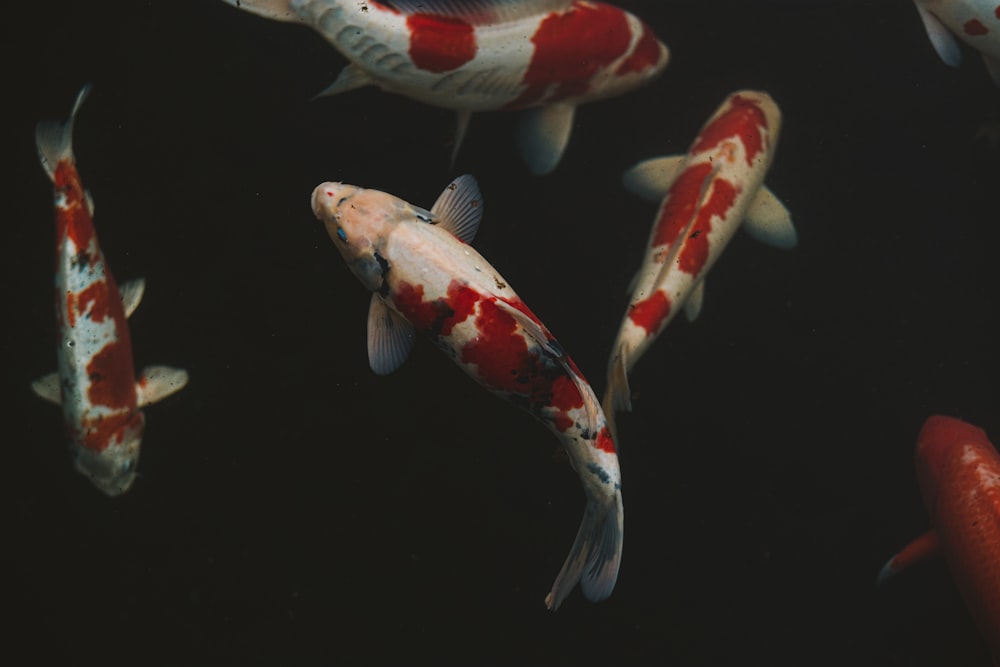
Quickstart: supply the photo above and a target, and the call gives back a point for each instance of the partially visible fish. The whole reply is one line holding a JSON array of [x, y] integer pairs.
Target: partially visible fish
[[96, 383], [975, 22], [425, 278], [548, 56], [959, 473], [706, 195]]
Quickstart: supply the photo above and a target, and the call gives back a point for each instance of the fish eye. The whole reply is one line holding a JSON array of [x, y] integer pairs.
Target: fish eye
[[341, 201], [341, 234]]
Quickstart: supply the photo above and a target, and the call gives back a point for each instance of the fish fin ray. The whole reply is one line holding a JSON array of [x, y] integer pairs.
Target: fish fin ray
[[278, 10], [543, 134], [459, 208], [651, 179], [350, 78], [131, 293], [694, 301], [461, 128], [48, 387], [158, 382], [481, 12], [390, 337], [769, 221], [618, 396]]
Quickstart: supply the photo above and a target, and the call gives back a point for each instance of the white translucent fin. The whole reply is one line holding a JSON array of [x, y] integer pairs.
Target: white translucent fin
[[941, 39], [481, 12], [651, 179], [279, 10], [54, 140], [694, 301], [390, 337], [539, 334], [131, 293], [48, 387], [459, 208], [158, 382], [993, 67], [596, 554], [618, 396], [350, 78], [542, 136], [768, 221], [89, 198], [461, 127]]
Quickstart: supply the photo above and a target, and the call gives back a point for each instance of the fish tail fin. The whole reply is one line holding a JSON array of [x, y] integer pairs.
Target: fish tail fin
[[54, 140], [596, 554], [618, 395]]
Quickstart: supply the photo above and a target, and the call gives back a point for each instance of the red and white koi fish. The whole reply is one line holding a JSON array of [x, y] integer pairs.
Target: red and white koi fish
[[975, 22], [959, 474], [705, 195], [486, 55], [96, 382], [425, 278]]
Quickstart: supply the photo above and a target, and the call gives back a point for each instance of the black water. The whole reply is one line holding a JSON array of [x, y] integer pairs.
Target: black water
[[295, 509]]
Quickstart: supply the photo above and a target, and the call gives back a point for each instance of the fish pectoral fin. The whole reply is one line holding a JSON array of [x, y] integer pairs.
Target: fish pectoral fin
[[542, 136], [278, 10], [768, 221], [694, 301], [48, 387], [941, 38], [350, 78], [459, 208], [461, 127], [919, 550], [158, 382], [390, 337], [131, 293], [651, 179], [618, 396]]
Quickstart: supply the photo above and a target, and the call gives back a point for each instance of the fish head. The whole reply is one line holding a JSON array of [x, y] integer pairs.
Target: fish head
[[359, 222], [113, 469]]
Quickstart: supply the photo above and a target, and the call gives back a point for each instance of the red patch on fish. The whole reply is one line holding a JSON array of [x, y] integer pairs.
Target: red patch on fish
[[975, 28], [112, 376], [743, 119], [570, 48], [440, 43], [99, 433], [436, 317], [647, 54], [650, 313], [605, 442], [96, 295]]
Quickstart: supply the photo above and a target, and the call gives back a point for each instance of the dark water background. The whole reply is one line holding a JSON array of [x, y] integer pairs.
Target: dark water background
[[295, 509]]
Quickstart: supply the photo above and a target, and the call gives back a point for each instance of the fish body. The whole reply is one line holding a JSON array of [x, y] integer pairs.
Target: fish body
[[975, 22], [95, 383], [425, 278], [959, 473], [704, 197], [486, 55]]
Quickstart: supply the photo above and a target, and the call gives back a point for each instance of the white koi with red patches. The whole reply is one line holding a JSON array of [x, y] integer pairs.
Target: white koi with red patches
[[96, 383], [706, 195], [486, 55], [975, 22], [425, 278], [959, 473]]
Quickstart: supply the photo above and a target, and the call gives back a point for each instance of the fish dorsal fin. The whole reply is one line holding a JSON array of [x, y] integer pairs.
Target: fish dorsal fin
[[350, 78], [158, 382], [651, 179], [694, 301], [542, 136], [768, 221], [54, 140], [131, 293], [481, 12], [536, 331], [941, 38], [459, 209], [390, 337], [48, 387]]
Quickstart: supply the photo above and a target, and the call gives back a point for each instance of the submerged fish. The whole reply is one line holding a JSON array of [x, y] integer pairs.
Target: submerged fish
[[96, 382], [548, 56], [975, 22], [959, 473], [705, 195], [425, 278]]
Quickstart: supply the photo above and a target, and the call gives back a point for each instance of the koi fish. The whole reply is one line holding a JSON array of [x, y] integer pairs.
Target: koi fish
[[547, 56], [975, 22], [96, 383], [425, 278], [959, 474], [705, 195]]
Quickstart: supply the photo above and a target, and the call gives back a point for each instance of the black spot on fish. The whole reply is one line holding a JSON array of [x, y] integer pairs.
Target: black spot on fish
[[383, 288], [695, 234]]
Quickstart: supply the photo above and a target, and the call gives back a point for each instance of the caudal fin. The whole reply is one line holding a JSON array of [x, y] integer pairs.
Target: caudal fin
[[54, 140], [618, 395], [596, 554]]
